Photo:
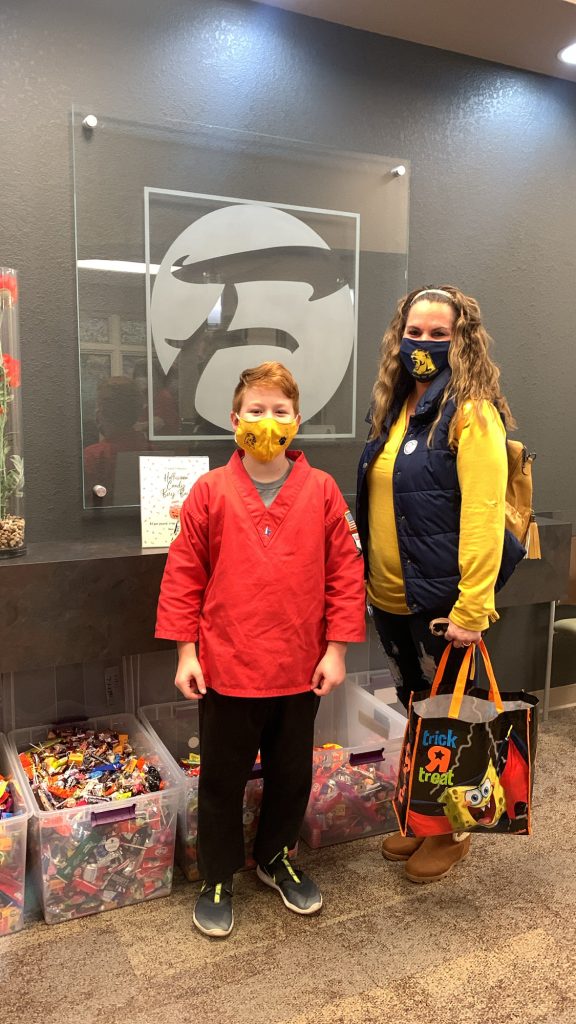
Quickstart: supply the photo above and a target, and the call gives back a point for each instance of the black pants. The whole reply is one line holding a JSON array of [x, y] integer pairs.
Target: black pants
[[232, 731], [414, 652]]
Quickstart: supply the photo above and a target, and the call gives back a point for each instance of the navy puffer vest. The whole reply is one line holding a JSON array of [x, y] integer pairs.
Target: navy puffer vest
[[427, 503]]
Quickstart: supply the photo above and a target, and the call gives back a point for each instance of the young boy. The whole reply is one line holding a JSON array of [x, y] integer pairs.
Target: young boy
[[266, 577]]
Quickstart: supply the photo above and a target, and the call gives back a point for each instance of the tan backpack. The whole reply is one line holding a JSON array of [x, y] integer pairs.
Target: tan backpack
[[519, 512]]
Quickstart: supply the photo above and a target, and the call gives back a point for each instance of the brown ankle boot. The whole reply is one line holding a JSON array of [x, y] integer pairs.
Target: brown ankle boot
[[398, 847], [436, 857]]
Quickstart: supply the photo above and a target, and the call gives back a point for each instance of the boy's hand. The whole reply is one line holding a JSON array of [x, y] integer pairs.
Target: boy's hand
[[331, 669], [189, 676]]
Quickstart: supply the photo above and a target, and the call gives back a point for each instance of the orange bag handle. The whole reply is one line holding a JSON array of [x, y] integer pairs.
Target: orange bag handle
[[462, 678], [494, 694], [440, 670], [460, 685]]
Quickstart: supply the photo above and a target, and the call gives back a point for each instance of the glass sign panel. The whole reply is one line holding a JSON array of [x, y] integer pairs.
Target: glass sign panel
[[203, 251]]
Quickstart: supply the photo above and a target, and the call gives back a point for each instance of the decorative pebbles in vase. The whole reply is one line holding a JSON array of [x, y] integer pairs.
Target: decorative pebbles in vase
[[11, 462]]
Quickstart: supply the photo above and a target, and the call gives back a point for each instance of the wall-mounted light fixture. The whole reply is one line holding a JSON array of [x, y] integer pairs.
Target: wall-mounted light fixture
[[568, 54], [118, 266]]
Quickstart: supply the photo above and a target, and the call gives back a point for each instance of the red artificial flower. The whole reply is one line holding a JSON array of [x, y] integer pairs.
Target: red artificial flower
[[8, 284], [12, 371]]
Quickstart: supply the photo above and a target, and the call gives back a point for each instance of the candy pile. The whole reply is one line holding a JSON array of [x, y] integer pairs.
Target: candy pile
[[348, 801], [88, 867], [6, 799], [187, 854], [77, 766], [251, 817], [186, 845], [95, 858], [187, 833], [188, 857], [191, 765], [12, 868], [12, 861]]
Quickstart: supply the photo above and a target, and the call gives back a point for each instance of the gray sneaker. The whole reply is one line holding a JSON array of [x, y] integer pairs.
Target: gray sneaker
[[298, 892], [213, 914]]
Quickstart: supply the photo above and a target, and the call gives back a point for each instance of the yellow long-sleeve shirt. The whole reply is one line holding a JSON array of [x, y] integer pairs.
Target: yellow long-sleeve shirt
[[482, 468]]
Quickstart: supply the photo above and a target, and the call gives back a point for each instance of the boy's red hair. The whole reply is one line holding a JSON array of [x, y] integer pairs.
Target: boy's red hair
[[267, 375]]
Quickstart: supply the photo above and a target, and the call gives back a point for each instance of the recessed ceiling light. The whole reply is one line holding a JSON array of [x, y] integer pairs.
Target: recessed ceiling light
[[568, 54]]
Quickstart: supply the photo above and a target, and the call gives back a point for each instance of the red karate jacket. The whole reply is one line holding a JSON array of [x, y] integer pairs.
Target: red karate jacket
[[261, 589]]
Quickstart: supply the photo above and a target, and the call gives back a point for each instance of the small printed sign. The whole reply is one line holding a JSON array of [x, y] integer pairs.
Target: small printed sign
[[165, 482]]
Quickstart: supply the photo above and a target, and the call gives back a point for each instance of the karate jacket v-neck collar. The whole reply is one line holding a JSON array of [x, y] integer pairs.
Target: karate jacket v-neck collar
[[262, 590]]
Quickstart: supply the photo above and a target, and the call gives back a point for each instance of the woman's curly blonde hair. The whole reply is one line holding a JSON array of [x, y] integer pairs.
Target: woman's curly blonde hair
[[474, 375]]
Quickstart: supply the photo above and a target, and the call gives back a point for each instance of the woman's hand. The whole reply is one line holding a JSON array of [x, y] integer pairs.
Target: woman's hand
[[331, 669], [461, 637]]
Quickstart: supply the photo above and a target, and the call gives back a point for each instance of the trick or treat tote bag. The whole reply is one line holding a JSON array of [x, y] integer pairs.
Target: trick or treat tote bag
[[468, 757]]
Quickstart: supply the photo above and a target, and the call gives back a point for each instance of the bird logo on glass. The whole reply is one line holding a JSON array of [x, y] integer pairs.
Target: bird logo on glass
[[247, 283]]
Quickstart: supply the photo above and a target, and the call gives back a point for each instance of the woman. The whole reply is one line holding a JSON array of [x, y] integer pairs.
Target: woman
[[431, 506]]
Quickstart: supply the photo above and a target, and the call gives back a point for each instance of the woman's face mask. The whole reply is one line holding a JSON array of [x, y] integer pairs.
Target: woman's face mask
[[427, 336], [424, 359]]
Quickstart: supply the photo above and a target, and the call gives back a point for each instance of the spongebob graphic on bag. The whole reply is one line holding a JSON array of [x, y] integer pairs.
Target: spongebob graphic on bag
[[468, 757], [484, 804]]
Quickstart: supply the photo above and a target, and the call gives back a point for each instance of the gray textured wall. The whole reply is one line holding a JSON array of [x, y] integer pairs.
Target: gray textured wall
[[493, 154]]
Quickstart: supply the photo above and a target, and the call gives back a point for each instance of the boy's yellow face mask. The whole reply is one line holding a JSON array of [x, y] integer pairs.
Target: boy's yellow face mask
[[266, 438]]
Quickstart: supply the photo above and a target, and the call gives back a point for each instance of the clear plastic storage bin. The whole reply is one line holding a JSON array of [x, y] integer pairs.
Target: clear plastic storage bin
[[13, 833], [176, 726], [353, 786], [109, 854]]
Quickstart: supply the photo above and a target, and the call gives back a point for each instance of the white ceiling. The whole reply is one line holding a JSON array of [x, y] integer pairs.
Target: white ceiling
[[521, 33]]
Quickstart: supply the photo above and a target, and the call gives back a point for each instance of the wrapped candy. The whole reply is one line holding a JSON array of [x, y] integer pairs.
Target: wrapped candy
[[187, 853], [87, 869], [12, 861], [13, 831], [77, 766], [6, 799], [104, 834], [349, 798]]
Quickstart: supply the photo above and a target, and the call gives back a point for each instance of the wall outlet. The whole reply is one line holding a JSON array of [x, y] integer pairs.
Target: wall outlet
[[112, 684]]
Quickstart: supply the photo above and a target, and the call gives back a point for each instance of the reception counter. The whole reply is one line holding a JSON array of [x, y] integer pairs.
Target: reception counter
[[64, 603]]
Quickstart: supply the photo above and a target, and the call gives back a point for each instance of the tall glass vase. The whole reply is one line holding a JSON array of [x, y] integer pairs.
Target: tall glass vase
[[12, 522]]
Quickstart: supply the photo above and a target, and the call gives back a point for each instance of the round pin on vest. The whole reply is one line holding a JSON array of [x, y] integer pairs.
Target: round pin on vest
[[410, 447]]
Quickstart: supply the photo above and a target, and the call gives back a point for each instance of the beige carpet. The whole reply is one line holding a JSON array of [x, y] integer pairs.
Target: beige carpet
[[495, 942]]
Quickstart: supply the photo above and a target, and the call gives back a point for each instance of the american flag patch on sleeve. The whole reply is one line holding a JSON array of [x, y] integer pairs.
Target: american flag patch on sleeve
[[350, 520], [353, 528]]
